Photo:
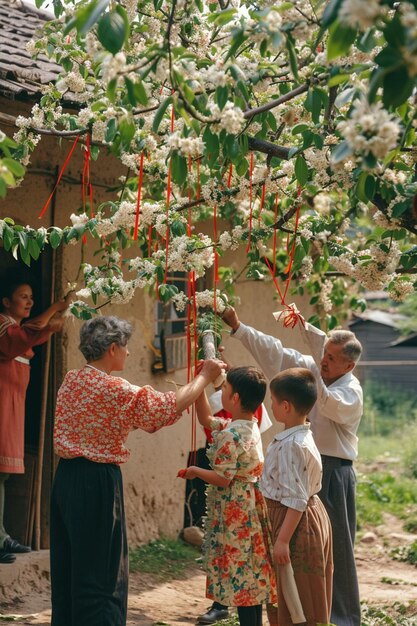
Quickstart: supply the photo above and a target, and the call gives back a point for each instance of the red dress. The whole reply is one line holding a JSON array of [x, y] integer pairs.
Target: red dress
[[16, 344]]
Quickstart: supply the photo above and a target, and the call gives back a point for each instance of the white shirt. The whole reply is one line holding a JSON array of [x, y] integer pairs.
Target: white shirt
[[336, 415], [292, 470]]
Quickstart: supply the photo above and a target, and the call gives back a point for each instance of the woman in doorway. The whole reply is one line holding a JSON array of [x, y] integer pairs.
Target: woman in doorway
[[17, 338]]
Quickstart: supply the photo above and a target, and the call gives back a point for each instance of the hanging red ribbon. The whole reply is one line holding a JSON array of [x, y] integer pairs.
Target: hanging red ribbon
[[288, 269], [135, 234], [250, 202], [193, 417], [274, 246], [67, 160], [229, 179], [216, 260]]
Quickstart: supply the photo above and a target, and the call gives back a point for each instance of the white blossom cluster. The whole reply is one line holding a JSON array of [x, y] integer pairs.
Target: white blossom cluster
[[375, 267], [187, 254], [400, 288], [206, 299], [370, 129], [188, 146], [359, 14], [231, 118]]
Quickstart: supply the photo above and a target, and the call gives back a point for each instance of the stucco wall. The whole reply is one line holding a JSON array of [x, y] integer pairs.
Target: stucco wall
[[154, 496]]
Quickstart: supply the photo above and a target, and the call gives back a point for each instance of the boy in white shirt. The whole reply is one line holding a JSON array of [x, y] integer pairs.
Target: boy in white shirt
[[301, 530]]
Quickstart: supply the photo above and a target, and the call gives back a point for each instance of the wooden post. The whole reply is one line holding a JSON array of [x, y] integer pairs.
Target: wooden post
[[44, 400]]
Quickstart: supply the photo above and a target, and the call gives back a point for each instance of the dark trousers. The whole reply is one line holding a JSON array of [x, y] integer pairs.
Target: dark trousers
[[338, 495], [89, 556]]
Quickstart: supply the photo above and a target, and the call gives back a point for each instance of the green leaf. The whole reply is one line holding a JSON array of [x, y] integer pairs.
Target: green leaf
[[340, 39], [178, 168], [366, 187], [55, 238], [301, 170], [127, 130], [113, 30], [222, 96], [88, 15], [212, 143], [292, 57], [111, 90], [160, 113], [111, 130], [337, 79], [140, 93], [14, 166], [238, 39], [330, 12], [388, 57], [34, 249], [222, 18], [23, 240], [398, 86]]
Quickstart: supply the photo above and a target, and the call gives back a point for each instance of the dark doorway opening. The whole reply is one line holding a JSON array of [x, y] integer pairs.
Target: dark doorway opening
[[21, 489]]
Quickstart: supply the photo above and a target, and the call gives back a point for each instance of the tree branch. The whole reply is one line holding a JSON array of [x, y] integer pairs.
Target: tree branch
[[272, 149]]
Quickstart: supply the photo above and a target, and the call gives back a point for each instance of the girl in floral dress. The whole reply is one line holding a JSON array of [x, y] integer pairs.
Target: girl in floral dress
[[237, 543]]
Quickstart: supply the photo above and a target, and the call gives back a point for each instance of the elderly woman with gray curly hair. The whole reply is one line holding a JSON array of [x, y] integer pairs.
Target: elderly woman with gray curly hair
[[95, 412]]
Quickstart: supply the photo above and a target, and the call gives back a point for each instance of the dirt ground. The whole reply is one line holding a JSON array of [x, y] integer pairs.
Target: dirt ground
[[383, 582]]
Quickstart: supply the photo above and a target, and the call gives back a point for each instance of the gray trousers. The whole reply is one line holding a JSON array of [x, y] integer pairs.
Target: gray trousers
[[338, 495]]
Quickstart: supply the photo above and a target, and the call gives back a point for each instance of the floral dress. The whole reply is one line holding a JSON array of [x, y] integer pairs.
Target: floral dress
[[237, 547]]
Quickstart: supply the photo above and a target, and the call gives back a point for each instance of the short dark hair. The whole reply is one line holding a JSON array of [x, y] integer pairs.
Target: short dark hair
[[97, 335], [10, 281], [250, 383], [296, 385]]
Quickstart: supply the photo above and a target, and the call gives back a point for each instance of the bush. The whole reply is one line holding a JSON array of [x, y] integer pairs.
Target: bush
[[386, 409]]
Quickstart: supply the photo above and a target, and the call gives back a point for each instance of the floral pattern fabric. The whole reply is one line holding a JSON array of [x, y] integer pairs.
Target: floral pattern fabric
[[237, 550], [95, 413]]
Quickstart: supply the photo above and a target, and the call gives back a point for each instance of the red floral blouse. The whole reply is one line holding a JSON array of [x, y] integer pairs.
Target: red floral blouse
[[96, 411]]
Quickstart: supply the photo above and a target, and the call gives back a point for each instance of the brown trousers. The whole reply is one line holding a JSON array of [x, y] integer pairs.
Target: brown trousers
[[311, 559]]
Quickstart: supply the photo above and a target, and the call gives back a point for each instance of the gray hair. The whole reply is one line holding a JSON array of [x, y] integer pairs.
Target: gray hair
[[352, 347], [97, 335]]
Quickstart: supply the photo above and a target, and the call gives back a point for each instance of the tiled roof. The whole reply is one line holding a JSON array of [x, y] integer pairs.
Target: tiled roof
[[21, 76]]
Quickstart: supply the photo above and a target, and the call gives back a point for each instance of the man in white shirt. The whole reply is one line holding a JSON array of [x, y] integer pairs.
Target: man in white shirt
[[334, 420]]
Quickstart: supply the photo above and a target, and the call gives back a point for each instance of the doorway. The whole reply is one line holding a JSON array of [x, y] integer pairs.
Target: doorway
[[22, 504]]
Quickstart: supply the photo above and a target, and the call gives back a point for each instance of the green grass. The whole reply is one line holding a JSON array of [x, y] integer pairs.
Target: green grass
[[163, 558], [396, 615]]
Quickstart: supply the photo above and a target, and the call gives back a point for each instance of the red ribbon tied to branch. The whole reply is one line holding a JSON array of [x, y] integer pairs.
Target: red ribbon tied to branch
[[291, 316]]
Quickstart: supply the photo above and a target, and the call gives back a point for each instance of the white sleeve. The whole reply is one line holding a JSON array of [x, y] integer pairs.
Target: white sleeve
[[269, 352], [265, 420], [343, 404]]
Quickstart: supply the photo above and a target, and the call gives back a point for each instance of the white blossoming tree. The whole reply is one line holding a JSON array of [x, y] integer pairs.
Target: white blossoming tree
[[295, 117]]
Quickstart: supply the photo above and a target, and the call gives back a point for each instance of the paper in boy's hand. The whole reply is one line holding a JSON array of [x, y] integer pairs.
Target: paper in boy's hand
[[181, 473]]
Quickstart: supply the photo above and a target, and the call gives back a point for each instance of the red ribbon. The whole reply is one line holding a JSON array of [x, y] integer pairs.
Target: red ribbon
[[135, 234], [291, 317], [274, 247], [291, 253], [42, 213], [216, 260], [250, 201], [229, 179]]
